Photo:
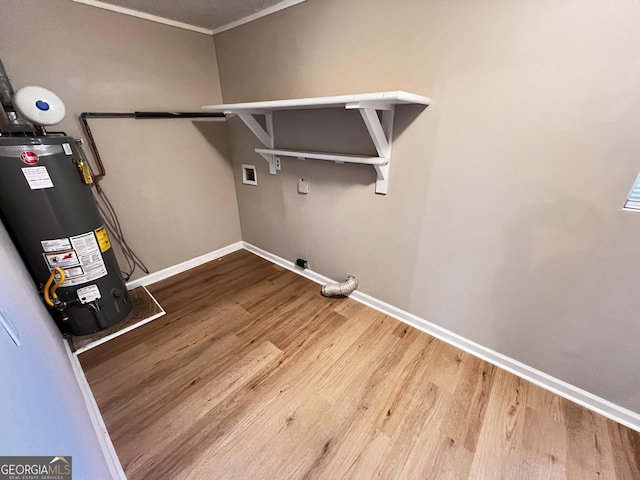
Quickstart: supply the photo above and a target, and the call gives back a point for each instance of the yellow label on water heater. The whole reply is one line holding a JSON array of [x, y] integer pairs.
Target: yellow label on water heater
[[103, 239]]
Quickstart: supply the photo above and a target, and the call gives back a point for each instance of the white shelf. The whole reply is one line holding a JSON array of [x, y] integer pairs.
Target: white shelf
[[368, 104], [343, 101]]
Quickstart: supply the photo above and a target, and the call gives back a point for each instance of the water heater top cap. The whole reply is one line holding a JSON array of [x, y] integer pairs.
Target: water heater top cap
[[39, 105]]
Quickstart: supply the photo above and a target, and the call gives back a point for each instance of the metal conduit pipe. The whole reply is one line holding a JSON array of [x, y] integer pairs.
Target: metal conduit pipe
[[340, 289], [138, 116], [6, 91], [8, 113]]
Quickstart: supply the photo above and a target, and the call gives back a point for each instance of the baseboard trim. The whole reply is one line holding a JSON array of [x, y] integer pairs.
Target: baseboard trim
[[581, 397], [109, 452], [183, 266]]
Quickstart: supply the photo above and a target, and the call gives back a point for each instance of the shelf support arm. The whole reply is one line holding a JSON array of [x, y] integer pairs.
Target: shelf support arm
[[265, 136], [382, 180], [271, 160], [371, 120], [381, 132]]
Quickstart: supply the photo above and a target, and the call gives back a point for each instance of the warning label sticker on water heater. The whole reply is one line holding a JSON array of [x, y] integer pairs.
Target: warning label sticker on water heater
[[37, 177], [56, 245], [62, 259], [103, 238], [79, 257]]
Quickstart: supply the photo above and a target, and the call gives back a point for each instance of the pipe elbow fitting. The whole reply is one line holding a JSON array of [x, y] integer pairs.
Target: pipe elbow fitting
[[341, 289]]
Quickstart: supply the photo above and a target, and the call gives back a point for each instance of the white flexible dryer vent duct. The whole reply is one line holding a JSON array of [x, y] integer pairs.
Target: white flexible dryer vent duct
[[340, 289]]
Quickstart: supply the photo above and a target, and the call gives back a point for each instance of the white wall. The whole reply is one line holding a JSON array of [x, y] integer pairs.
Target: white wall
[[42, 410]]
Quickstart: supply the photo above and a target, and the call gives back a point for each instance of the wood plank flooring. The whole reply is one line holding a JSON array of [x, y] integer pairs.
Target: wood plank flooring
[[253, 375]]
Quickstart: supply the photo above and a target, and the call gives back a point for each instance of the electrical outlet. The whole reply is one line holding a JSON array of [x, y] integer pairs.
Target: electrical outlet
[[278, 163], [303, 186]]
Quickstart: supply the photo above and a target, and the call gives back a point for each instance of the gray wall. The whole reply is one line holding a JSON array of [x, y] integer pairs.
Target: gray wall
[[42, 411], [503, 220], [170, 180]]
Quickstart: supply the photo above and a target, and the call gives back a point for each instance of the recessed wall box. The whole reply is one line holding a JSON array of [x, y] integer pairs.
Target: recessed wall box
[[249, 174]]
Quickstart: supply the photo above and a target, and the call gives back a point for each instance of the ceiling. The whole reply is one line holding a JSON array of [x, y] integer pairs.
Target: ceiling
[[205, 16]]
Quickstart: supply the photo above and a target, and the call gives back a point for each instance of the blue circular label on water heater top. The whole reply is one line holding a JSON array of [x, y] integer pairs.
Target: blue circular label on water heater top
[[42, 105]]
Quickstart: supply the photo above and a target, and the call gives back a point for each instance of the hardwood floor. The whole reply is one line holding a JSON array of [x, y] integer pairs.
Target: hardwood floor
[[252, 374]]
